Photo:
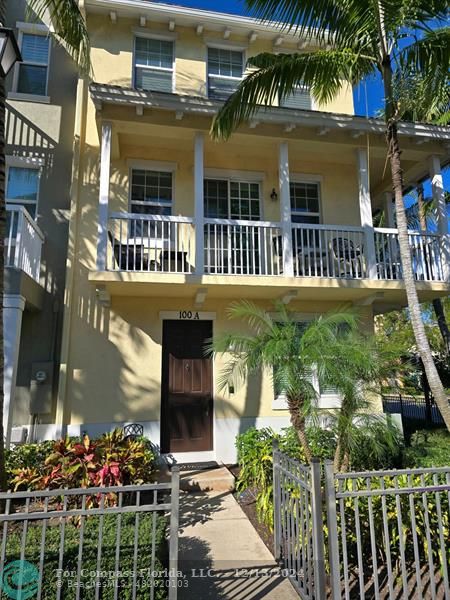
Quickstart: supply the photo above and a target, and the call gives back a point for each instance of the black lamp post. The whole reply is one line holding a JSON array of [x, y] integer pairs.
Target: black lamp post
[[9, 51]]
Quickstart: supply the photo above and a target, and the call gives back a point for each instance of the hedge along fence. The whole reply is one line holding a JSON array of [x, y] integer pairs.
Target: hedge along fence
[[387, 534]]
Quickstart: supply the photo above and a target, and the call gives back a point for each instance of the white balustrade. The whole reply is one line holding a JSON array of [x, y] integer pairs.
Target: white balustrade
[[23, 243], [235, 247], [152, 243], [426, 252], [328, 251]]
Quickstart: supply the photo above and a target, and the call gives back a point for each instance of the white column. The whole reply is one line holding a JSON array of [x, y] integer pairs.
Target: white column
[[437, 189], [103, 200], [285, 210], [13, 306], [199, 209], [389, 209], [365, 209]]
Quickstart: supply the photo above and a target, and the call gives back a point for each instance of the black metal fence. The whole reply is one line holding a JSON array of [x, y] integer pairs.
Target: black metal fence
[[413, 407]]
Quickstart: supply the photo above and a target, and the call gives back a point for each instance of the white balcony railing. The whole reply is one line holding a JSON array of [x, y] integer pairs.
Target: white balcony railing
[[167, 244], [150, 243], [426, 251], [328, 251], [23, 243], [243, 247]]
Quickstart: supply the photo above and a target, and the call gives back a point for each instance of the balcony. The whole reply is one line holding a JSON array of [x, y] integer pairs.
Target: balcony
[[23, 243], [167, 245]]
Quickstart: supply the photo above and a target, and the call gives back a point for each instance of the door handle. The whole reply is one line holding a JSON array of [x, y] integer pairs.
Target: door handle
[[188, 367]]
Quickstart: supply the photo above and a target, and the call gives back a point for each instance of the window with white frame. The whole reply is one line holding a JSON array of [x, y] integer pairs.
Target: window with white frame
[[32, 73], [151, 193], [153, 64], [305, 202], [225, 70], [22, 188], [232, 199], [300, 99]]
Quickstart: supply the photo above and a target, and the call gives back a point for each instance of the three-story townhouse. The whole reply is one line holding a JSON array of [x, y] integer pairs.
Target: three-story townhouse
[[40, 109], [168, 227]]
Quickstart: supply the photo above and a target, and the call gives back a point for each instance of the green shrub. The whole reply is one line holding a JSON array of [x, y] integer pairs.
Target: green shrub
[[110, 460], [428, 449], [67, 580]]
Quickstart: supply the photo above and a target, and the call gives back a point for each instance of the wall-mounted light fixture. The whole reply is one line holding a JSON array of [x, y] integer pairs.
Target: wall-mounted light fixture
[[274, 195]]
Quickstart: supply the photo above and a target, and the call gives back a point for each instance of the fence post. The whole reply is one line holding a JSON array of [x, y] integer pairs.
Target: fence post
[[276, 502], [173, 540], [317, 530], [333, 543]]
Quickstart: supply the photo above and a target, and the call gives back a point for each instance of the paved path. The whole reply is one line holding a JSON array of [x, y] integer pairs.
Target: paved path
[[216, 536]]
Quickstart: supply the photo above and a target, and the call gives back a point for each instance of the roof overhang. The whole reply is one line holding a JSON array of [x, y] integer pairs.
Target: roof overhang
[[192, 17], [104, 94]]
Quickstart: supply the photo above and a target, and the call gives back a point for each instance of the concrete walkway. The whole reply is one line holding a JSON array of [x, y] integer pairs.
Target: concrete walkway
[[221, 554]]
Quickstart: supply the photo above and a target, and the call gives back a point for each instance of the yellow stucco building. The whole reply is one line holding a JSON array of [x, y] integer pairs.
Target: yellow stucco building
[[168, 227]]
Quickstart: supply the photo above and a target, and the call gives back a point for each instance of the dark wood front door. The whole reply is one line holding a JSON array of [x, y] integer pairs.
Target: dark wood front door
[[187, 388]]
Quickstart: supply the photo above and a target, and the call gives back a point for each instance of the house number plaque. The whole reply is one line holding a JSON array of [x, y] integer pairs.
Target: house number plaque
[[187, 315]]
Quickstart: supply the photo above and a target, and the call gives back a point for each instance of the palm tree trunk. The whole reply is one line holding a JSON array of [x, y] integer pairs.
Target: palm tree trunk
[[3, 481], [415, 313], [437, 303], [298, 423]]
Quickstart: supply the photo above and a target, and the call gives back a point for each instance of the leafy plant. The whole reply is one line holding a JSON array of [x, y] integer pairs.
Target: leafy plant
[[428, 449], [109, 461]]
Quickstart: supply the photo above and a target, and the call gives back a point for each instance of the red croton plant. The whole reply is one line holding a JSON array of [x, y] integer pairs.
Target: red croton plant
[[111, 460]]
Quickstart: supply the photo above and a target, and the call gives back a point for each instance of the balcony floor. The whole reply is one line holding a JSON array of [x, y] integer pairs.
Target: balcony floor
[[385, 294]]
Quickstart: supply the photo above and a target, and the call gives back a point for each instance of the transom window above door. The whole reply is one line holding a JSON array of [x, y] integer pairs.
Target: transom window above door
[[232, 199], [153, 64], [225, 70], [151, 192], [305, 202]]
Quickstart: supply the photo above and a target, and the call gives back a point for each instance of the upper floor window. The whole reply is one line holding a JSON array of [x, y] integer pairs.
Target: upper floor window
[[153, 64], [225, 69], [151, 192], [305, 202], [22, 188], [300, 98], [232, 199], [32, 73]]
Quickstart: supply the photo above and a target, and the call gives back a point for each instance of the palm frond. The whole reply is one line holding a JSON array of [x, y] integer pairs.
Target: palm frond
[[69, 27], [324, 72]]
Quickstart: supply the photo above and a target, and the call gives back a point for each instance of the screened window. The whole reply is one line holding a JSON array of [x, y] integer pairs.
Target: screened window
[[225, 69], [229, 199], [153, 64], [22, 187], [300, 99], [305, 202], [32, 71]]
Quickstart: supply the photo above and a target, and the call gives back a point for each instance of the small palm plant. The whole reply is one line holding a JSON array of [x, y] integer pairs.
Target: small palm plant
[[290, 352]]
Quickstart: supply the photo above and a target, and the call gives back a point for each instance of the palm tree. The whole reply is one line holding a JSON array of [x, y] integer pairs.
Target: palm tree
[[290, 352], [69, 29], [363, 38]]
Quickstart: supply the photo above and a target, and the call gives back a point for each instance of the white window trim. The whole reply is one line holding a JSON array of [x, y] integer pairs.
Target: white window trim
[[308, 178], [24, 163], [33, 29], [314, 105], [151, 166], [238, 177], [225, 46], [325, 400], [156, 36]]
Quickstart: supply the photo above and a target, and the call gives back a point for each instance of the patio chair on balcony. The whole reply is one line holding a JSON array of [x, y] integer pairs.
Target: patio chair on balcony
[[130, 257], [347, 258]]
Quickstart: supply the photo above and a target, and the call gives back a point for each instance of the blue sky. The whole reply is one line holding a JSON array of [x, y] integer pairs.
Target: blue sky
[[368, 96]]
